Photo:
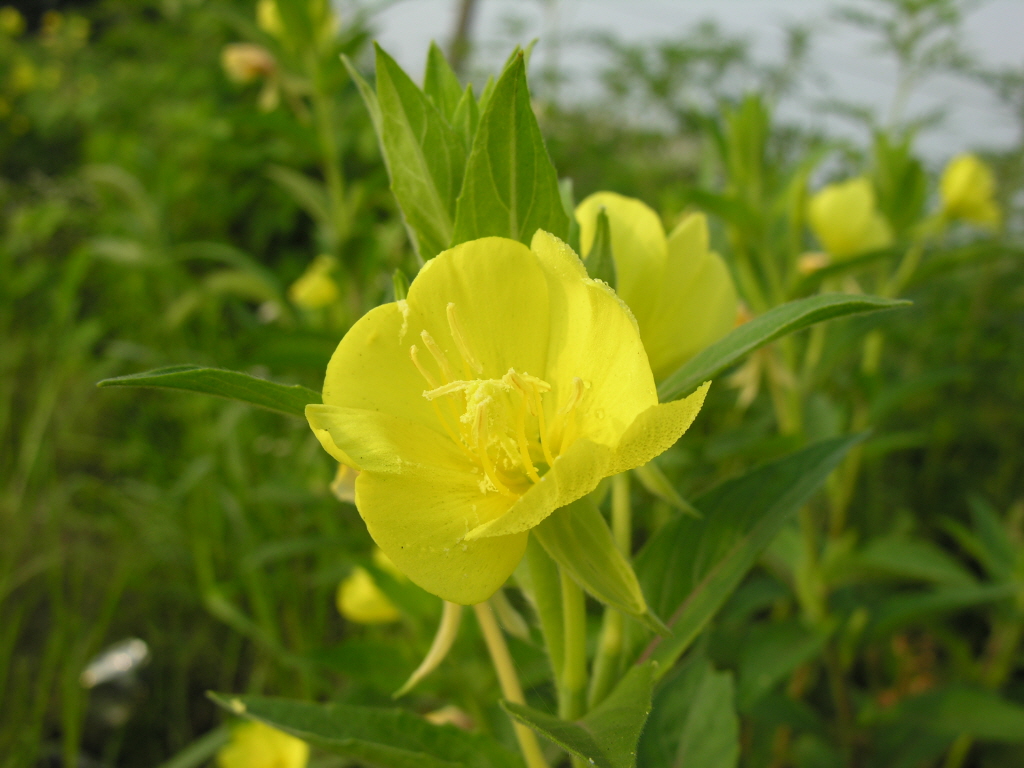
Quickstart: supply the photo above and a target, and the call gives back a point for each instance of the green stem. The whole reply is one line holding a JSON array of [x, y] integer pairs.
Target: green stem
[[323, 112], [509, 681], [609, 650], [572, 688]]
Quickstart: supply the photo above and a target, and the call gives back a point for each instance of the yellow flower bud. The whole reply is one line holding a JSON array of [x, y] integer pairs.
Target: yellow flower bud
[[679, 290], [361, 600], [12, 23], [968, 189], [315, 289], [268, 17], [845, 220], [245, 62], [256, 745]]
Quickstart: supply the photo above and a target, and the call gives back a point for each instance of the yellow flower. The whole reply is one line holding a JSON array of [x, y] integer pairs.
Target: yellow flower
[[361, 601], [245, 62], [967, 189], [268, 18], [845, 220], [315, 289], [12, 23], [256, 745], [680, 292], [505, 386]]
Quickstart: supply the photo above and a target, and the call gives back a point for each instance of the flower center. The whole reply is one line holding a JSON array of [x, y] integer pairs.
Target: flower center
[[499, 424]]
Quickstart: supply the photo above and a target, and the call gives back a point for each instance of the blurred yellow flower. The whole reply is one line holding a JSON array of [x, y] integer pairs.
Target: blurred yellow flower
[[256, 745], [361, 600], [506, 385], [846, 221], [316, 288], [12, 23], [968, 189], [680, 292], [268, 18], [246, 62], [23, 76]]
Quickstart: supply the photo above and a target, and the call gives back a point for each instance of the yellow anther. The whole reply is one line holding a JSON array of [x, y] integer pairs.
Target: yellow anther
[[578, 388], [439, 356], [468, 359], [414, 354], [447, 389], [481, 443]]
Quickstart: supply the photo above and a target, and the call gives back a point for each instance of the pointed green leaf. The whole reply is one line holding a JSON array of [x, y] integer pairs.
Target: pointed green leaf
[[770, 653], [690, 567], [441, 83], [654, 480], [233, 385], [467, 116], [600, 262], [425, 157], [608, 735], [369, 97], [577, 538], [694, 721], [776, 322], [387, 738], [510, 188]]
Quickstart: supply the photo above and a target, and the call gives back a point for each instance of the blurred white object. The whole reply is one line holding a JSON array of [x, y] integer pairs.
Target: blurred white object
[[116, 663]]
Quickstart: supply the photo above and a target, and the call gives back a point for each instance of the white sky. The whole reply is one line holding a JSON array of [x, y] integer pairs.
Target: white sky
[[841, 55]]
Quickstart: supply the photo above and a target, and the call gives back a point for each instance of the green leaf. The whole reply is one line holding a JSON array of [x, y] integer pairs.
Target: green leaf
[[369, 97], [600, 262], [694, 721], [511, 188], [309, 194], [654, 480], [690, 567], [400, 284], [915, 559], [441, 83], [425, 157], [466, 118], [900, 610], [959, 709], [769, 655], [386, 738], [606, 737], [776, 322], [577, 538], [233, 385]]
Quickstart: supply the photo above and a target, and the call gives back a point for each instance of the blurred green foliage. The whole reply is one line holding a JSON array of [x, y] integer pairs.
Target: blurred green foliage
[[154, 212]]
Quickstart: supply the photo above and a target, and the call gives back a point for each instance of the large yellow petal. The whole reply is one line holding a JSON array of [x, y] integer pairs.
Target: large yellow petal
[[500, 296], [380, 442], [638, 244], [657, 429], [593, 338], [575, 474], [371, 369], [695, 303], [420, 519]]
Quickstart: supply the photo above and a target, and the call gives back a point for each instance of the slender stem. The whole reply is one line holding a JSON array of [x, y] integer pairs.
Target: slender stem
[[509, 681], [323, 111], [609, 648], [573, 685]]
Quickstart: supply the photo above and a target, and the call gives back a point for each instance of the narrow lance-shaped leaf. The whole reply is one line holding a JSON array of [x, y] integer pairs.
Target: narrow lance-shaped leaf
[[425, 157], [577, 538], [690, 567], [441, 83], [773, 324], [387, 738], [233, 385], [510, 187], [607, 736], [600, 262]]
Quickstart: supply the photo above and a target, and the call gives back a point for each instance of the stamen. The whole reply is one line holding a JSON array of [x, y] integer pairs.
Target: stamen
[[439, 356], [524, 447], [485, 459], [542, 429], [414, 354], [468, 358], [575, 396], [447, 389]]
